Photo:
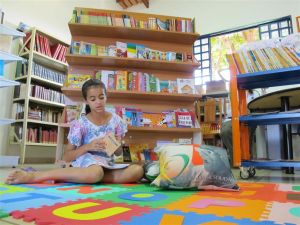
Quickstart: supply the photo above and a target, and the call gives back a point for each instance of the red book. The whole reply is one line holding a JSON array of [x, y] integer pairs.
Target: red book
[[185, 119]]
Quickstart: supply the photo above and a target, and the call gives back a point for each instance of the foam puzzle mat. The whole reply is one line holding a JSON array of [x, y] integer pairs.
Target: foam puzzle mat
[[73, 204]]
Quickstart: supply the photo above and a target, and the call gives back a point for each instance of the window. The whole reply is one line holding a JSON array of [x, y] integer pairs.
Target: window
[[210, 50]]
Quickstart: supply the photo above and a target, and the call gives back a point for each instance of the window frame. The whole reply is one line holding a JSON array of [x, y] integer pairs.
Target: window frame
[[234, 30]]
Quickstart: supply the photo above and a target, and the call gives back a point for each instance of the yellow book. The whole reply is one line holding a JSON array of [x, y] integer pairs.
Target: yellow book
[[121, 80], [280, 58]]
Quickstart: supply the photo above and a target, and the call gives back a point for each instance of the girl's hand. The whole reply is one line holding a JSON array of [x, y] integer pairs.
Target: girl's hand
[[98, 144]]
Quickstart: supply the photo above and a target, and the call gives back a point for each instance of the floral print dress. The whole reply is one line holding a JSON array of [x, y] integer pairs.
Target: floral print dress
[[83, 131]]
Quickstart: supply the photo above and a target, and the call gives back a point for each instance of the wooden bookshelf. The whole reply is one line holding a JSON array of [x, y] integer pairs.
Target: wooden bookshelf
[[167, 41], [119, 63], [96, 30], [35, 50]]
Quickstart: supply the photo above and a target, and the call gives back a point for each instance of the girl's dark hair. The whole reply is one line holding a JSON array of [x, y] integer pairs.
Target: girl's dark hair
[[87, 85]]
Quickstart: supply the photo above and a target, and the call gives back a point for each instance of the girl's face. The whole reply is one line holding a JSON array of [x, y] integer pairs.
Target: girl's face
[[96, 99]]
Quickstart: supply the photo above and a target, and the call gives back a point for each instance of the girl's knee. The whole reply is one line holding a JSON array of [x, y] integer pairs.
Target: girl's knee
[[95, 174], [137, 171]]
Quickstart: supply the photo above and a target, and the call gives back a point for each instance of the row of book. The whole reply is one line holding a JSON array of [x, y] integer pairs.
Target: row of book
[[40, 71], [39, 92], [43, 45], [134, 81], [36, 135], [128, 50], [268, 54], [86, 16], [136, 153], [265, 59], [36, 113], [41, 135], [137, 118]]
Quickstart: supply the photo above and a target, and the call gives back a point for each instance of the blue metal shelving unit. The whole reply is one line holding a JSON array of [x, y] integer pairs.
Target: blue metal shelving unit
[[271, 78]]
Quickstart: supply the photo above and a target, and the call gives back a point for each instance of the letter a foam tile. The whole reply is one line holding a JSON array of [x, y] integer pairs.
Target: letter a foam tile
[[81, 212]]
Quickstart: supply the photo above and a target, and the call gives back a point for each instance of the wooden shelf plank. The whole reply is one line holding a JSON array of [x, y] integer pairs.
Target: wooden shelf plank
[[41, 80], [47, 61], [41, 144], [76, 93], [37, 122], [96, 30], [118, 62], [164, 129], [41, 101], [152, 129]]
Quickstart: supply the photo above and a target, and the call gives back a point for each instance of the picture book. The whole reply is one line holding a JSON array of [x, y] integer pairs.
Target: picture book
[[121, 49], [173, 86], [131, 50], [121, 80], [104, 76], [102, 50], [162, 25], [153, 119], [185, 119], [111, 82], [112, 50], [85, 48], [126, 153], [152, 83], [72, 113], [186, 86], [129, 80], [77, 80], [112, 144], [75, 46], [164, 86], [140, 49]]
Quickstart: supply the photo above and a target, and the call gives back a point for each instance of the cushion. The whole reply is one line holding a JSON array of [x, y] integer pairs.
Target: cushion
[[194, 166]]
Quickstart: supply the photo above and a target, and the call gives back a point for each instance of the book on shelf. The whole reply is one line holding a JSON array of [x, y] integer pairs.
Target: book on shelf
[[77, 80], [185, 119], [121, 49], [186, 86]]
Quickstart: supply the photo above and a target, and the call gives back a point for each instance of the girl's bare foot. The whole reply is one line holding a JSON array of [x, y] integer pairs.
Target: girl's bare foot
[[20, 177]]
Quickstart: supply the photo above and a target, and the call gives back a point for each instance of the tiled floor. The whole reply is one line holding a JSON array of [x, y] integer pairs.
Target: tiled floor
[[275, 176]]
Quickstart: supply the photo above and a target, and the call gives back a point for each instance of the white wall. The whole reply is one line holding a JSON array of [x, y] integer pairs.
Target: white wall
[[52, 16]]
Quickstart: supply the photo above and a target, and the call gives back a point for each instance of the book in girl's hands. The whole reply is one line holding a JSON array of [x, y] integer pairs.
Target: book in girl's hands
[[112, 144]]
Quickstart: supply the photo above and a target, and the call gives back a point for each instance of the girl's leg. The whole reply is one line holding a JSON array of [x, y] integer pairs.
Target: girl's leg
[[91, 174], [131, 174]]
